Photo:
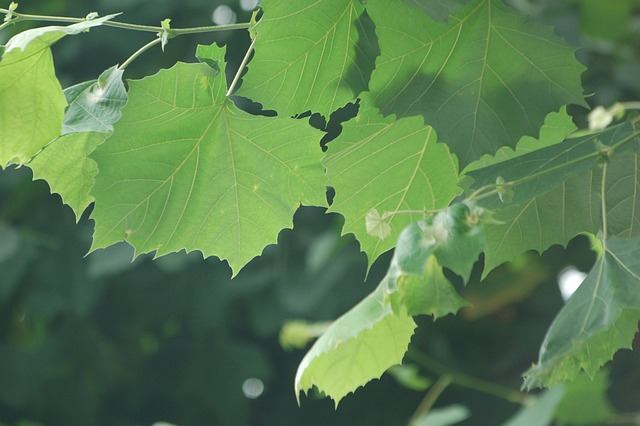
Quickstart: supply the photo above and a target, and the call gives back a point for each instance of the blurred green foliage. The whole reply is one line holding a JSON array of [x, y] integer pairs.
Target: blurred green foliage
[[102, 340]]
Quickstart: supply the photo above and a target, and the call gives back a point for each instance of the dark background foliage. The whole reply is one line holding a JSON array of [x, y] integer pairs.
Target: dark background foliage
[[101, 340]]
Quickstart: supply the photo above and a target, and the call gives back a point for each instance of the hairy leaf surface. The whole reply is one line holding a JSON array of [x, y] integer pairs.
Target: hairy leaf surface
[[310, 55], [483, 80], [388, 165], [186, 169], [599, 318], [31, 99], [358, 347]]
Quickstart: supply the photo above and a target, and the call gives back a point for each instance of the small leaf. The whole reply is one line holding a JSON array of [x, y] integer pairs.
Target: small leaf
[[415, 280], [95, 105], [600, 318], [357, 347], [430, 293], [376, 225]]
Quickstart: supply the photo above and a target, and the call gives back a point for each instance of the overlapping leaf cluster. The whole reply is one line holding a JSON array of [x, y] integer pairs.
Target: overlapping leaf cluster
[[441, 86]]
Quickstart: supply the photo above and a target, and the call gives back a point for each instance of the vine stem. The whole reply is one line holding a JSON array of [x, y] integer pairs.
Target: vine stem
[[139, 52], [604, 203], [243, 64], [172, 32], [387, 215], [468, 382], [431, 397], [491, 189]]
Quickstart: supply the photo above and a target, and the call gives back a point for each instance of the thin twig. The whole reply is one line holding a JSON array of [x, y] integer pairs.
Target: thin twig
[[139, 52], [467, 381], [603, 196], [431, 397], [243, 64]]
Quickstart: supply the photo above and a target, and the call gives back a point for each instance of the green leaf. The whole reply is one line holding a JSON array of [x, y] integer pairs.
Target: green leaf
[[557, 127], [388, 165], [95, 105], [430, 293], [438, 10], [540, 412], [67, 168], [310, 55], [415, 281], [186, 169], [585, 401], [623, 194], [546, 211], [31, 99], [553, 218], [357, 347], [65, 164], [599, 318], [482, 81]]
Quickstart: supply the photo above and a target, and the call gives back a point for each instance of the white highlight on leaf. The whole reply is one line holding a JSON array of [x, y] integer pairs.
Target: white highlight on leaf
[[376, 225], [252, 388], [569, 279], [223, 15]]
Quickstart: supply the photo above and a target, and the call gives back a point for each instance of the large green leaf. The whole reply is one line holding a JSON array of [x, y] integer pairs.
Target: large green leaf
[[482, 81], [310, 55], [31, 99], [186, 169], [599, 318], [438, 10], [65, 164], [388, 165], [358, 347], [555, 207]]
